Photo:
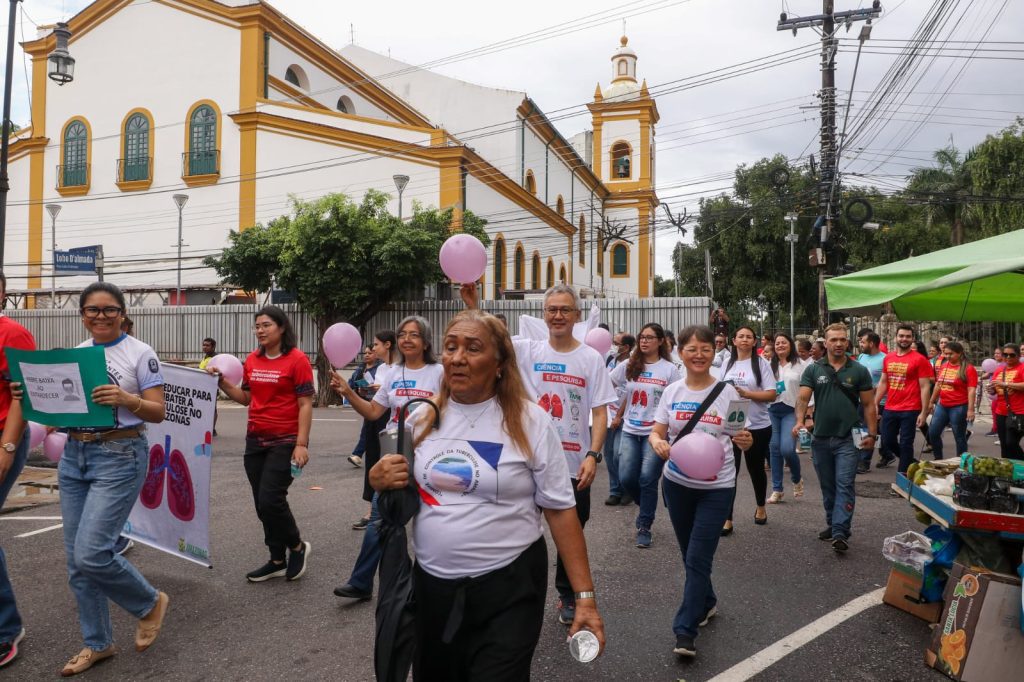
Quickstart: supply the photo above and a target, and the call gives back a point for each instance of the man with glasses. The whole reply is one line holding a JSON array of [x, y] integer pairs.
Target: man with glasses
[[905, 386], [573, 386]]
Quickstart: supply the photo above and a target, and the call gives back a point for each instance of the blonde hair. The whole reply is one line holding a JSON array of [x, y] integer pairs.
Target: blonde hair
[[509, 389]]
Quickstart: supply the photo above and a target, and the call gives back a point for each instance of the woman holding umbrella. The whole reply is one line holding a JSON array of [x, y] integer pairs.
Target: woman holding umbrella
[[481, 573]]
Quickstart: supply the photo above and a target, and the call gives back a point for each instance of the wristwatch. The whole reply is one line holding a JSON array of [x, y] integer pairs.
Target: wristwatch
[[589, 594], [596, 455], [11, 447]]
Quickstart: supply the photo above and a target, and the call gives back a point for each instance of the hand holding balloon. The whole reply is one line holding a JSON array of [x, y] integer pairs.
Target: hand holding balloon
[[988, 365], [227, 366], [342, 343]]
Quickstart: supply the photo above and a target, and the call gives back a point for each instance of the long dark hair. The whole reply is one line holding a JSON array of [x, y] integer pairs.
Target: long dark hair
[[755, 364], [388, 336], [636, 361], [791, 358], [958, 348], [280, 318]]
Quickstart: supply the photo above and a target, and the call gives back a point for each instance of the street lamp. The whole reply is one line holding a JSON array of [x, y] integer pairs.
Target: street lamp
[[62, 64], [791, 218], [400, 182], [53, 210], [180, 200]]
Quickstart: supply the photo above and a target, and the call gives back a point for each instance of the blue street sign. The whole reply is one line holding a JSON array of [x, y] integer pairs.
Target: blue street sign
[[82, 259]]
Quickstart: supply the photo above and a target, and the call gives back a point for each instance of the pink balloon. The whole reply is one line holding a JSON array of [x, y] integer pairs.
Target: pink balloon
[[53, 445], [230, 367], [36, 435], [463, 258], [599, 339], [989, 365], [698, 455], [342, 343]]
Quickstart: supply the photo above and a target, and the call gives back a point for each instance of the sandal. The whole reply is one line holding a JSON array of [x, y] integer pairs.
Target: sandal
[[776, 497], [85, 659], [798, 488]]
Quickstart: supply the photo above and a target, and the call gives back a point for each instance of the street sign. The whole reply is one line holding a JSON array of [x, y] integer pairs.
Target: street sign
[[82, 259]]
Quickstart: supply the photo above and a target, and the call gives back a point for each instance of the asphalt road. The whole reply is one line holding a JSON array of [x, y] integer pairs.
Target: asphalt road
[[771, 580]]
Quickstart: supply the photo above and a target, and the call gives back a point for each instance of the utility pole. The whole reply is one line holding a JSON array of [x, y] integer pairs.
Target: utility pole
[[827, 20], [791, 218]]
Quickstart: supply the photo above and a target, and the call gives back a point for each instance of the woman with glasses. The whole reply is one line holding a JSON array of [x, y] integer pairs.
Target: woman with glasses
[[277, 387], [417, 375], [787, 369], [697, 508], [952, 399], [101, 474], [1008, 384], [643, 378], [752, 377]]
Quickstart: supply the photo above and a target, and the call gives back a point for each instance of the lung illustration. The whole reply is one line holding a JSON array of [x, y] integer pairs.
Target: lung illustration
[[170, 464], [153, 488]]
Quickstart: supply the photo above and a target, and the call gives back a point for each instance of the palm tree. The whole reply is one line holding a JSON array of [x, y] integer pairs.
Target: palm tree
[[946, 190]]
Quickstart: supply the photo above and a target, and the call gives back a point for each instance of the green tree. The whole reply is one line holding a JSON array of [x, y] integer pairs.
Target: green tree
[[947, 189], [344, 261], [997, 172]]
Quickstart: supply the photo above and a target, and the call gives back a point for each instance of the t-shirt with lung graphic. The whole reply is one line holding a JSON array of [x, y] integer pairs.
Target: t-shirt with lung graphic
[[740, 375], [400, 384], [133, 366], [953, 389], [568, 386], [275, 385], [903, 374], [481, 498], [678, 404], [644, 393]]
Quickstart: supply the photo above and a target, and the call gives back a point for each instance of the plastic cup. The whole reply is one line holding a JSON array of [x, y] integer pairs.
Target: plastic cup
[[584, 646]]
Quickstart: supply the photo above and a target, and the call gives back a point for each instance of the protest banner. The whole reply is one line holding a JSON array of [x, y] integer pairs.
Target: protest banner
[[58, 385], [173, 510]]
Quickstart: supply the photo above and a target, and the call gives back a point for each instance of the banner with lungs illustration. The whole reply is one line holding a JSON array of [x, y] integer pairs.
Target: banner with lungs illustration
[[173, 509]]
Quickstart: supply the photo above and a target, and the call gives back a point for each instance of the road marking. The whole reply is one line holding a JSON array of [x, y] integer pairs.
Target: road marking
[[31, 518], [41, 530], [787, 645]]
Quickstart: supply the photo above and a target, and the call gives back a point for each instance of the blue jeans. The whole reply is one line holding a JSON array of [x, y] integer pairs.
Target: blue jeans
[[782, 446], [369, 553], [697, 517], [898, 430], [835, 461], [99, 483], [611, 458], [10, 619], [639, 471], [956, 418]]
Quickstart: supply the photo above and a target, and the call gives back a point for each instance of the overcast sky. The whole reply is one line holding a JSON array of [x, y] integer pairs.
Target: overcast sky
[[705, 130]]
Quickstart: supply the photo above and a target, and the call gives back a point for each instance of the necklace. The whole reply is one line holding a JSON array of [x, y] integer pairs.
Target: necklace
[[475, 418]]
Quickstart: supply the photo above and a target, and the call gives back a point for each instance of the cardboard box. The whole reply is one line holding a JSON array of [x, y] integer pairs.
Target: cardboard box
[[904, 592], [979, 638]]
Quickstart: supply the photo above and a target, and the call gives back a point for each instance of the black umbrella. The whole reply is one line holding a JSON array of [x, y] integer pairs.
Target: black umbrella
[[396, 604]]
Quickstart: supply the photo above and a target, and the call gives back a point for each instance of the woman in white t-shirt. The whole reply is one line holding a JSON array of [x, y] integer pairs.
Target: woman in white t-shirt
[[418, 374], [485, 478], [644, 378], [787, 368], [752, 377], [697, 508]]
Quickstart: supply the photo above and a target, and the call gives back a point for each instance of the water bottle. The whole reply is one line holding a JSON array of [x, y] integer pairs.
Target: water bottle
[[296, 469], [584, 646]]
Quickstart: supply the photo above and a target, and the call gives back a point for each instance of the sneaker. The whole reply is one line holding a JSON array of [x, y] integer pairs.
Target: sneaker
[[361, 524], [644, 537], [712, 612], [685, 646], [355, 460], [926, 449], [349, 592], [613, 500], [840, 545], [9, 650], [825, 534], [798, 488], [566, 612], [883, 462], [297, 562], [266, 572], [863, 467], [123, 545], [776, 497]]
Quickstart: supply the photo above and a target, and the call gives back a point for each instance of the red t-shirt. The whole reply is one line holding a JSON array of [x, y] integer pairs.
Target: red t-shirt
[[274, 386], [882, 347], [903, 373], [12, 335], [1013, 375], [953, 389]]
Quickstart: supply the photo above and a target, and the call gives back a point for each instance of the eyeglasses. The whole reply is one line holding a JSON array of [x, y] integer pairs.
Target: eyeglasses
[[412, 336], [698, 350], [646, 337], [1009, 355], [564, 311], [264, 326], [92, 312]]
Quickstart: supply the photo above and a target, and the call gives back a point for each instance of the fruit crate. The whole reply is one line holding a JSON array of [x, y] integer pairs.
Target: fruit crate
[[951, 515]]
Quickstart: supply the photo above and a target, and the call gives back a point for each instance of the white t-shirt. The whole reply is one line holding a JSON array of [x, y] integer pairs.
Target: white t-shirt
[[133, 366], [568, 386], [644, 393], [399, 385], [740, 374], [480, 496], [678, 404], [789, 381]]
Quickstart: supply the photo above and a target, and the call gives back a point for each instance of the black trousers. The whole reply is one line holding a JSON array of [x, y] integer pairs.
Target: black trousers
[[372, 454], [756, 457], [562, 584], [1009, 439], [269, 469], [483, 628]]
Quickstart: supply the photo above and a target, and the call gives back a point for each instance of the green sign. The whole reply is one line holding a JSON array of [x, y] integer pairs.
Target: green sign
[[58, 385]]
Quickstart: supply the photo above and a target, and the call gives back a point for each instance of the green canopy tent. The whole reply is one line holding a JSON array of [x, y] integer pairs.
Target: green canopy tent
[[981, 281]]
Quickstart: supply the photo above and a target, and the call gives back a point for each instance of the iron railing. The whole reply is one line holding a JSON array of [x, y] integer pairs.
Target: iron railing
[[72, 175], [134, 169], [200, 163]]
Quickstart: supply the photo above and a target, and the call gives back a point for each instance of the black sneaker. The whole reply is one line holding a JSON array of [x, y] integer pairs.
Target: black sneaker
[[825, 534], [566, 612], [863, 468], [613, 500], [626, 500], [884, 462], [348, 592], [266, 572], [840, 545], [685, 646], [297, 562], [9, 650], [361, 524], [712, 612]]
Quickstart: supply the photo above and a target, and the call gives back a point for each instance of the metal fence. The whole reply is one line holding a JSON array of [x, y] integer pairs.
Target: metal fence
[[177, 333]]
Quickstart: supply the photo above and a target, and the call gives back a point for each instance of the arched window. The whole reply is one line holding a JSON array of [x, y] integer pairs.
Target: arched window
[[620, 261], [535, 279], [623, 68], [202, 141], [136, 160], [75, 169], [551, 273], [583, 242], [621, 161], [499, 266], [291, 77], [531, 183], [561, 274], [519, 269], [560, 205], [345, 105]]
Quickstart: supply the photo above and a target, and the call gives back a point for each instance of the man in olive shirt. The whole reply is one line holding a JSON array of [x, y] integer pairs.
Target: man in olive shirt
[[839, 385]]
